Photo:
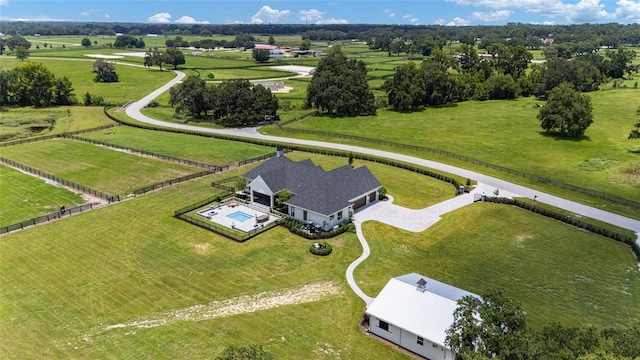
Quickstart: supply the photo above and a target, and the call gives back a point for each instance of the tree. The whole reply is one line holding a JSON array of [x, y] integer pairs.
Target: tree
[[305, 44], [405, 90], [620, 61], [397, 46], [22, 53], [339, 86], [86, 42], [566, 112], [284, 195], [487, 326], [501, 87], [635, 133], [260, 55], [105, 71], [17, 40], [174, 57], [251, 352], [271, 41], [32, 84], [191, 95], [158, 58], [148, 59]]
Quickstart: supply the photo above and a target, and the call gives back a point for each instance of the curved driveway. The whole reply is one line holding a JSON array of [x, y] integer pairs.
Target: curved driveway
[[133, 111], [412, 220]]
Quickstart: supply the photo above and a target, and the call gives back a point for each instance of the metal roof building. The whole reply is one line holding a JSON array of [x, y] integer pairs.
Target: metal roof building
[[415, 311]]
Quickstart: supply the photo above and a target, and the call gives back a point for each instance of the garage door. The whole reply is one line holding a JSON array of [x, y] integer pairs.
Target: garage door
[[372, 197], [262, 199], [360, 203]]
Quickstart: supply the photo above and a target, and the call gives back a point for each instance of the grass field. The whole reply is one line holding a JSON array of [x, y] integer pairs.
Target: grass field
[[17, 123], [134, 82], [133, 260], [508, 133], [206, 150], [557, 272], [110, 171], [24, 197]]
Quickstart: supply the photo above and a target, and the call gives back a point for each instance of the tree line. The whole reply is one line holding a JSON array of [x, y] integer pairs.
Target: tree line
[[495, 327], [231, 103]]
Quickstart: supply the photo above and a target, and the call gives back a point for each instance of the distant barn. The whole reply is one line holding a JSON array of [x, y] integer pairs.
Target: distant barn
[[271, 85]]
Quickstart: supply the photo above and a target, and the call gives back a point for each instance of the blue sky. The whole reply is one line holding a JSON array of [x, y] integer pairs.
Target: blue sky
[[418, 12]]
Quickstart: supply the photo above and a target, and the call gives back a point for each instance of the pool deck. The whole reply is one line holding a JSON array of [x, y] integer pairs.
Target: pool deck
[[218, 214]]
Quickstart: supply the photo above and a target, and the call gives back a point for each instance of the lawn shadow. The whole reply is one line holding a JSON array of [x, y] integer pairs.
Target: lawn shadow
[[564, 137], [635, 152], [443, 106]]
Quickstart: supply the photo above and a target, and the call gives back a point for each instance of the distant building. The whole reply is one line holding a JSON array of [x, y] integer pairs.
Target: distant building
[[415, 311], [196, 53], [153, 35], [267, 47]]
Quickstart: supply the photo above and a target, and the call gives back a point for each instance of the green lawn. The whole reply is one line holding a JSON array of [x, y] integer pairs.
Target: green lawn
[[17, 123], [110, 171], [134, 82], [25, 197], [558, 273], [508, 133], [133, 260], [202, 149]]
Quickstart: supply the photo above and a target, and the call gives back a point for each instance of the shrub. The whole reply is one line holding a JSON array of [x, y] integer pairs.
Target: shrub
[[153, 104], [320, 249], [382, 193]]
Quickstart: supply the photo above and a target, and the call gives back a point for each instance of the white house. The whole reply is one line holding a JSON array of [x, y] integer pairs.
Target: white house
[[414, 311], [324, 198]]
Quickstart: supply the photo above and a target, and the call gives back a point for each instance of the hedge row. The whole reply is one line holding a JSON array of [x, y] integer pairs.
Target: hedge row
[[294, 226], [571, 221]]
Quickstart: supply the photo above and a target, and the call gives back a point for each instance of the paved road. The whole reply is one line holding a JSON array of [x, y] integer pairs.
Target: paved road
[[133, 111]]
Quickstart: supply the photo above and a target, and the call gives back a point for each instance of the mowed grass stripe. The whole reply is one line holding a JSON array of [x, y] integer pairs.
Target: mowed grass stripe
[[110, 171], [133, 258], [558, 273], [23, 197], [197, 148]]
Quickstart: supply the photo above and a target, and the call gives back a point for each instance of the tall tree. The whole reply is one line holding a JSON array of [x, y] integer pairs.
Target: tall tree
[[21, 53], [620, 61], [566, 112], [339, 86], [191, 95], [148, 59], [635, 133], [174, 57], [260, 55], [305, 44], [16, 41], [105, 71], [405, 90], [86, 42], [271, 41], [486, 326]]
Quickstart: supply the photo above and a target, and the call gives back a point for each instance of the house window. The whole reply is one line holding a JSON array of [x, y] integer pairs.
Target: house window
[[304, 215], [420, 340], [331, 217], [293, 211], [340, 215], [383, 325]]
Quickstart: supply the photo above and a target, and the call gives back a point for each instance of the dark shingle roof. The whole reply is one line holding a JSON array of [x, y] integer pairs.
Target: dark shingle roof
[[324, 192]]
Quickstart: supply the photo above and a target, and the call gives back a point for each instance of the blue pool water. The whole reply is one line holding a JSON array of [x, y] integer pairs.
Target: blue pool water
[[240, 216]]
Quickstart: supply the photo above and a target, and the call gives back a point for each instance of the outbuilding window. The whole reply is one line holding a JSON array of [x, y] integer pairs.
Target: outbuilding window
[[331, 217], [420, 340], [383, 325], [340, 215]]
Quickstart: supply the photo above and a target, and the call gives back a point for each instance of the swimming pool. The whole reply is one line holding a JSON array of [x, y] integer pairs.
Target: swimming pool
[[240, 216]]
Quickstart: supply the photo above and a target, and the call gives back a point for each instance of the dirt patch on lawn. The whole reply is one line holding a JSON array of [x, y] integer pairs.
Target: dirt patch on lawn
[[202, 249], [520, 239], [237, 305]]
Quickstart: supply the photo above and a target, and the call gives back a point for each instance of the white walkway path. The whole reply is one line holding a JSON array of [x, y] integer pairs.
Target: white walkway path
[[426, 216]]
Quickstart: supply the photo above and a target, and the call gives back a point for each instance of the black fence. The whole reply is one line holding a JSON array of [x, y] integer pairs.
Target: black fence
[[219, 184], [541, 179], [46, 218], [284, 123], [71, 184], [149, 153], [178, 180], [224, 231], [289, 147], [49, 137], [571, 221], [217, 228]]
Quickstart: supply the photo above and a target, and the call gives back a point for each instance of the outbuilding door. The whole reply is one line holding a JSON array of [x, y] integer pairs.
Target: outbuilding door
[[261, 198]]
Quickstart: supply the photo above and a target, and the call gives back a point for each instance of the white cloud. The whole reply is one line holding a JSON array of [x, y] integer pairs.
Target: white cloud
[[458, 21], [311, 15], [413, 20], [390, 13], [576, 11], [189, 20], [159, 18], [4, 2], [84, 13], [408, 16], [492, 16], [268, 15], [440, 22], [107, 16], [628, 10], [331, 21]]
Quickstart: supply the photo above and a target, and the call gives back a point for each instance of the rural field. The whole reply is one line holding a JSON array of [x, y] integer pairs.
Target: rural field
[[128, 280], [24, 197], [110, 171]]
